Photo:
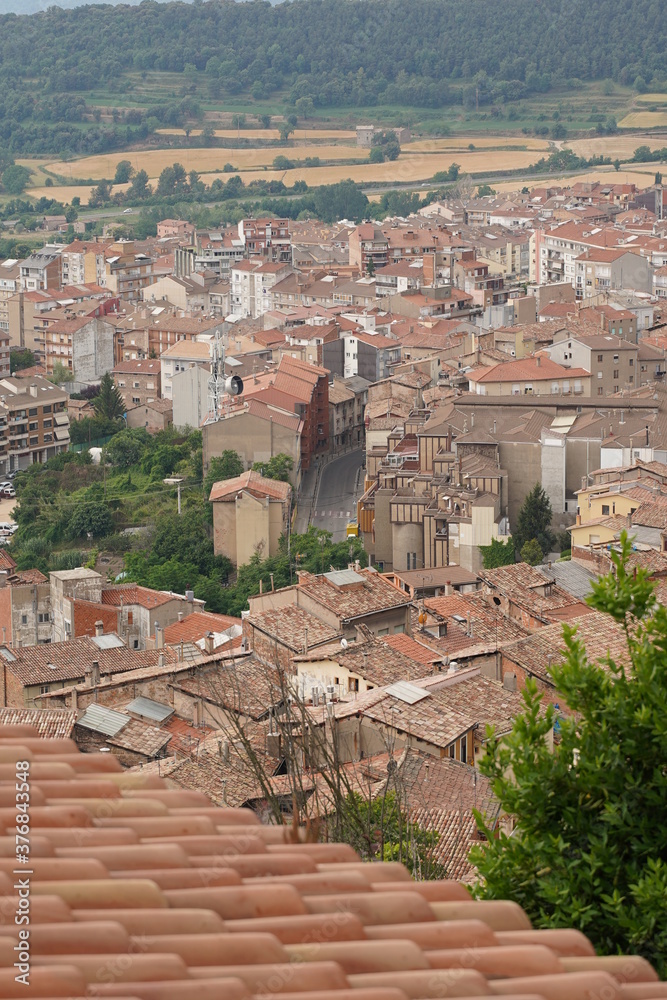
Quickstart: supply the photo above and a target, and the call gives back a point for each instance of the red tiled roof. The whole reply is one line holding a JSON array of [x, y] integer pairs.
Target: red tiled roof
[[130, 905], [196, 625], [250, 482]]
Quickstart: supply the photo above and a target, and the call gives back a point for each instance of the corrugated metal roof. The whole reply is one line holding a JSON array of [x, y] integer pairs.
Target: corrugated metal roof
[[109, 641], [344, 577], [103, 720], [407, 692], [149, 709]]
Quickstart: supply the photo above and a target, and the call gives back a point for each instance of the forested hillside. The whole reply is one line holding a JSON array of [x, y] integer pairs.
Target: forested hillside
[[421, 53]]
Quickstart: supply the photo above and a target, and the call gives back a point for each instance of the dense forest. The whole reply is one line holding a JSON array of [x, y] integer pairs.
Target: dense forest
[[420, 53]]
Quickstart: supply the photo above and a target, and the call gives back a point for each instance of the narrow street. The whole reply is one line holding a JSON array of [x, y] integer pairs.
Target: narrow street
[[336, 501]]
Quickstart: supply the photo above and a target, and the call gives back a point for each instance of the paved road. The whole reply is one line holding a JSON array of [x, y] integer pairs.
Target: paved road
[[336, 501]]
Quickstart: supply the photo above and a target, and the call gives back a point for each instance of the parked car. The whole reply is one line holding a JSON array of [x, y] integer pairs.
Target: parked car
[[8, 493]]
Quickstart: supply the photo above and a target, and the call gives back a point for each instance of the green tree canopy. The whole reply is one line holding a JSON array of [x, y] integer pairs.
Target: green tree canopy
[[126, 449], [497, 553], [124, 171], [15, 179], [20, 358], [589, 848], [531, 552], [534, 520], [109, 403], [225, 466], [278, 467]]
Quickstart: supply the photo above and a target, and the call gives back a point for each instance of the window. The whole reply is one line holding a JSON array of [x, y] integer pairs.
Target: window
[[600, 357], [600, 391], [451, 751], [24, 619], [398, 629], [464, 749], [135, 644], [605, 509], [616, 358], [43, 617], [135, 385], [631, 362], [616, 371], [43, 688], [48, 423], [136, 399], [130, 618], [32, 412], [353, 684], [383, 631], [599, 374]]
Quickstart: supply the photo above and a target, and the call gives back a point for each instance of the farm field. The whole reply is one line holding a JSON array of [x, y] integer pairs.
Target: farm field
[[409, 167], [641, 174], [461, 143], [267, 133], [644, 119], [652, 98], [621, 146]]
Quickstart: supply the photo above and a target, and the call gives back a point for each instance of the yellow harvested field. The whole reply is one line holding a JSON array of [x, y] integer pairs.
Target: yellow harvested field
[[644, 119], [153, 161], [642, 176], [267, 133], [408, 168], [652, 98], [615, 146], [66, 192], [461, 143]]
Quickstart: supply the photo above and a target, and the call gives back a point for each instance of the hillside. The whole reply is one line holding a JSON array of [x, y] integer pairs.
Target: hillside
[[423, 54]]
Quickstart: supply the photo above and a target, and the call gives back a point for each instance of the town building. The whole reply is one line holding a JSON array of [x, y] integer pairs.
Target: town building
[[250, 514], [138, 381]]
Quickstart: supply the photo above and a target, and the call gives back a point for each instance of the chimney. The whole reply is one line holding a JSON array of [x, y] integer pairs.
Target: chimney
[[75, 699], [538, 361], [33, 390], [305, 641], [159, 637], [99, 629], [95, 673], [180, 616], [578, 519], [160, 660], [272, 587], [209, 643], [448, 588]]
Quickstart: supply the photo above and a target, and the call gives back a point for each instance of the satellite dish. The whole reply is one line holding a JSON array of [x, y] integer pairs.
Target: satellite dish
[[234, 385], [343, 643]]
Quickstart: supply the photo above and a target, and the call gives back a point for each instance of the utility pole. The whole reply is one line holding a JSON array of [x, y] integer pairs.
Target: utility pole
[[175, 481]]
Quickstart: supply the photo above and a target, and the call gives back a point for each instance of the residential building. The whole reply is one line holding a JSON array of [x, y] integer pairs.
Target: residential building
[[9, 285], [84, 262], [127, 273], [190, 397], [611, 361], [85, 346], [25, 608], [34, 425], [154, 416], [41, 270], [251, 286], [604, 269], [180, 357], [250, 514], [138, 381], [538, 375], [178, 228], [347, 403], [143, 611], [257, 431], [267, 239]]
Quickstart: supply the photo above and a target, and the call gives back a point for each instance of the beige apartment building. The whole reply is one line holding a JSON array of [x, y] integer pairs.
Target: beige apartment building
[[138, 381], [611, 361], [250, 513]]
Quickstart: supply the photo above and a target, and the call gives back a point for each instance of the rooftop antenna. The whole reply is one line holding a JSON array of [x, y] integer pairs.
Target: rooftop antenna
[[220, 385]]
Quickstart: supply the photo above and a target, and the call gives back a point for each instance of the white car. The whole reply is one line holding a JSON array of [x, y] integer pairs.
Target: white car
[[127, 211]]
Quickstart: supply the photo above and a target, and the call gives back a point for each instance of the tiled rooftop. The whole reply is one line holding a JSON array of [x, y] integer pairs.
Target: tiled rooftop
[[140, 889], [369, 593]]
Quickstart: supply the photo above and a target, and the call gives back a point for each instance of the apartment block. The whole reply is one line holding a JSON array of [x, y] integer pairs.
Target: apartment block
[[138, 381], [34, 424]]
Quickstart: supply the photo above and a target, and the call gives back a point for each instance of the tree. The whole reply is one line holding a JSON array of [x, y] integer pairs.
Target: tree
[[90, 518], [229, 465], [61, 374], [125, 449], [15, 179], [139, 188], [497, 553], [109, 404], [278, 467], [376, 155], [20, 358], [388, 143], [588, 849], [285, 130], [531, 552], [534, 520], [124, 171], [264, 121], [305, 107]]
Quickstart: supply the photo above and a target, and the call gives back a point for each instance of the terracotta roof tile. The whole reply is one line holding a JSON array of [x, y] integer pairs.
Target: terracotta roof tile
[[228, 907]]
